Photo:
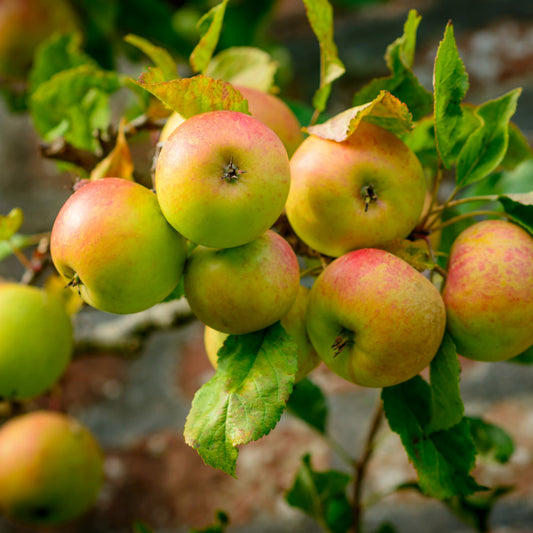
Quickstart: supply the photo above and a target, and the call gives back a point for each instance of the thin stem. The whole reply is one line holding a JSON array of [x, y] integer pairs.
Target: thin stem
[[471, 214], [340, 451], [435, 190], [312, 271], [454, 203], [361, 466], [314, 118]]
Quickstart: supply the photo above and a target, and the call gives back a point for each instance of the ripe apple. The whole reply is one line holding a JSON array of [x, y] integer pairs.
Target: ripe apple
[[111, 243], [23, 25], [489, 291], [373, 319], [222, 178], [293, 323], [35, 341], [245, 288], [359, 193], [266, 107], [51, 468]]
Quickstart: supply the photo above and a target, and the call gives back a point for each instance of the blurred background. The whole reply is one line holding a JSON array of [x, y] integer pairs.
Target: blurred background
[[133, 378]]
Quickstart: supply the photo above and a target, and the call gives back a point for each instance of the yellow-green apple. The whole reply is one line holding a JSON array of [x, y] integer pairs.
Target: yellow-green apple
[[51, 468], [489, 291], [359, 193], [23, 25], [35, 340], [266, 107], [373, 319], [112, 244], [293, 323], [222, 178], [245, 288]]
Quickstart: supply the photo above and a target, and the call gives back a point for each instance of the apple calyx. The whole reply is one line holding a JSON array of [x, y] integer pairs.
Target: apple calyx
[[231, 172], [75, 281], [369, 195], [342, 340]]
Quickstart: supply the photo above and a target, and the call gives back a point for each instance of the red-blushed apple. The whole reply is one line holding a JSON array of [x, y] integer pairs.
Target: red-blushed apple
[[293, 323], [222, 178], [111, 243], [266, 107], [24, 24], [51, 468], [489, 291], [359, 193], [373, 319], [245, 288], [35, 341]]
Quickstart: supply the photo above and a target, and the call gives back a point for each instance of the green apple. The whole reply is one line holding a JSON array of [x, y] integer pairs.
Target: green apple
[[245, 288], [111, 243], [489, 291], [266, 107], [222, 178], [35, 341], [23, 25], [373, 319], [293, 323], [51, 468], [359, 193]]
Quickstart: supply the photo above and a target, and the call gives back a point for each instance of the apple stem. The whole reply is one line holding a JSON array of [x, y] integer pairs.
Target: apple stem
[[232, 172], [369, 195]]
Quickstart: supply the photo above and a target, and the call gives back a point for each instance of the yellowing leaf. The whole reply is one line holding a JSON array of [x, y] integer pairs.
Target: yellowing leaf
[[385, 111], [10, 223]]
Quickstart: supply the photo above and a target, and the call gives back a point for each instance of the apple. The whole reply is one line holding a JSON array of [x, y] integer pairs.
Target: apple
[[35, 341], [51, 468], [359, 193], [23, 25], [111, 243], [245, 288], [222, 178], [489, 291], [293, 323], [266, 107], [373, 319]]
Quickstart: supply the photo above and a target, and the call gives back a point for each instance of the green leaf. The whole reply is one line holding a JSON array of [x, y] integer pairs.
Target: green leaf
[[450, 87], [210, 26], [421, 140], [191, 96], [74, 103], [244, 65], [520, 207], [485, 149], [139, 527], [10, 223], [320, 16], [518, 149], [308, 403], [447, 407], [57, 53], [491, 441], [385, 111], [402, 82], [220, 525], [322, 496], [386, 527], [525, 358], [245, 398], [160, 56], [16, 242], [443, 459]]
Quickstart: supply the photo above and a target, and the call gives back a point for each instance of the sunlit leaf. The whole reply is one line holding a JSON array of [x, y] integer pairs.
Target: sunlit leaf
[[520, 206], [160, 56]]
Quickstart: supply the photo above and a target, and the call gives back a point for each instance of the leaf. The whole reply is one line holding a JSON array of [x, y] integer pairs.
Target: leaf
[[402, 82], [308, 403], [443, 459], [245, 398], [520, 207], [491, 441], [118, 163], [191, 96], [320, 16], [485, 149], [16, 242], [74, 104], [10, 223], [322, 496], [244, 65], [210, 26], [525, 358], [220, 525], [450, 82], [160, 56], [447, 407], [139, 527], [57, 53], [385, 111], [518, 149]]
